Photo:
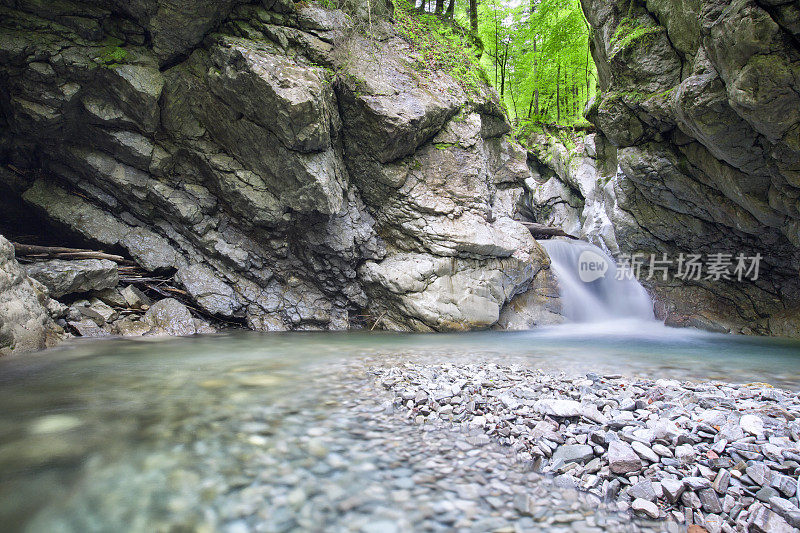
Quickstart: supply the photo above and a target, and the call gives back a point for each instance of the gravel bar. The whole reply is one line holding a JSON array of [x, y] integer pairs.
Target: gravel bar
[[714, 455]]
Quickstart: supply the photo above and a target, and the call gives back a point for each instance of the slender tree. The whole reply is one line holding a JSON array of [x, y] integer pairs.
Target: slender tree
[[558, 94], [473, 16]]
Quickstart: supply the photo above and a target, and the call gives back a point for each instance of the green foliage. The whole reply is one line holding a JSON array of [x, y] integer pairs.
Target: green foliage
[[329, 4], [112, 53], [630, 31], [536, 54], [442, 44]]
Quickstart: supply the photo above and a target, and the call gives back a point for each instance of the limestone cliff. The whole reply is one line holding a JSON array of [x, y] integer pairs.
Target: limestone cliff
[[698, 151], [285, 161]]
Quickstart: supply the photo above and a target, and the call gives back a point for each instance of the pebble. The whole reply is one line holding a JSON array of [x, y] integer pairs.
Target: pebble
[[758, 472], [555, 407], [710, 500], [574, 452], [789, 511], [765, 494], [696, 483], [685, 454], [721, 481], [645, 507], [644, 452], [662, 450], [752, 424], [766, 521], [622, 459], [673, 488], [642, 490]]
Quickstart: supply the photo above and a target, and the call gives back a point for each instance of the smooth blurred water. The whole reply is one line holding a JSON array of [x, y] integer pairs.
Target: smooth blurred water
[[599, 299], [138, 432]]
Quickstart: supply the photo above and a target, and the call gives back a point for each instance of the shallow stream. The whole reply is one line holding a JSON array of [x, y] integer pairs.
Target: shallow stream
[[290, 432]]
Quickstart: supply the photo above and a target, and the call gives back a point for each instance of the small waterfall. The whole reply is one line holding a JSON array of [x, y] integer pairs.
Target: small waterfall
[[588, 284]]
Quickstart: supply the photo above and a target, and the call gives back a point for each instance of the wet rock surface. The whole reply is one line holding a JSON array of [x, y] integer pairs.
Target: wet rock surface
[[170, 317]]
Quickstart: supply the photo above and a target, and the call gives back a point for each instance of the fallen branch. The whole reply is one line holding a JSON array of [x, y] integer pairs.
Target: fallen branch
[[546, 231], [58, 252]]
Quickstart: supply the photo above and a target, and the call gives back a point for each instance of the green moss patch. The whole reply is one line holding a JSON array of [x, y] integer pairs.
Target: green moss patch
[[631, 31]]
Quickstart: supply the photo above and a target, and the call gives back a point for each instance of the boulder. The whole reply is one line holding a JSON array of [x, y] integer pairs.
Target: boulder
[[131, 327], [76, 276], [209, 291], [25, 323], [87, 328], [169, 317]]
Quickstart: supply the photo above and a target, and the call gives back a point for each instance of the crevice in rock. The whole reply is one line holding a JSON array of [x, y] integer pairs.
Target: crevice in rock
[[771, 11]]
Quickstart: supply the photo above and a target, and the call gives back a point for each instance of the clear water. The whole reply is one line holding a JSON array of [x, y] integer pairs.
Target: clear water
[[217, 433]]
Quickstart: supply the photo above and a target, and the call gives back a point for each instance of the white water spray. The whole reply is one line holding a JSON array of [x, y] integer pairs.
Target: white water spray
[[588, 284]]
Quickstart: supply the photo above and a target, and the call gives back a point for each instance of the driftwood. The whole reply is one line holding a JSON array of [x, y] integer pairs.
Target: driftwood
[[546, 231], [59, 252]]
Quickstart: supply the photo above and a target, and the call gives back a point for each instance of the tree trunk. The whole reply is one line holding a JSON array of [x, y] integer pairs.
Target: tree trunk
[[503, 72], [545, 230], [473, 16], [530, 107], [28, 250], [586, 71], [496, 45], [566, 92], [574, 96], [439, 7], [513, 102], [451, 7], [535, 81], [558, 95]]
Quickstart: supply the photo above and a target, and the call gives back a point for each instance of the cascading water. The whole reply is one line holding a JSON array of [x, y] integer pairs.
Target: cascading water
[[590, 289]]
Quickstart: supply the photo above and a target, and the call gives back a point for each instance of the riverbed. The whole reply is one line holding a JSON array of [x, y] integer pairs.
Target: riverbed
[[293, 432]]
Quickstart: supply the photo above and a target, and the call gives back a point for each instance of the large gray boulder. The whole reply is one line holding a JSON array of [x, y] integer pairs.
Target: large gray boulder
[[25, 323], [169, 317], [63, 277]]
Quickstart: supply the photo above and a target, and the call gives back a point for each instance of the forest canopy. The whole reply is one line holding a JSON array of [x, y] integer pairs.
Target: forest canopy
[[536, 54]]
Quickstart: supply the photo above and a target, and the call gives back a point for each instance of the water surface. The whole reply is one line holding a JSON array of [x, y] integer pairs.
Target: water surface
[[282, 432]]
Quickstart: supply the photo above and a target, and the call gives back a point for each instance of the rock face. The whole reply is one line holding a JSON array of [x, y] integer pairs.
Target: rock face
[[292, 173], [25, 323], [698, 152]]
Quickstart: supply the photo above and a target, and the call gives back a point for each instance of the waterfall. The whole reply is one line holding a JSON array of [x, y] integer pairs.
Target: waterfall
[[588, 284]]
